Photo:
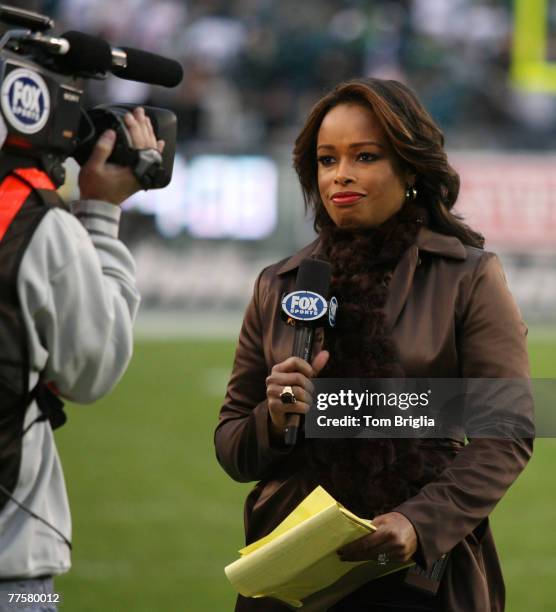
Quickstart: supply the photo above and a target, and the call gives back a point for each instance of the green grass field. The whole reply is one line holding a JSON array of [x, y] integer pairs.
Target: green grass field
[[156, 519]]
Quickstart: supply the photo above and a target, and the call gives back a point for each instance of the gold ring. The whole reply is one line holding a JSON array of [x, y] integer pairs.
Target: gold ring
[[382, 559], [287, 396]]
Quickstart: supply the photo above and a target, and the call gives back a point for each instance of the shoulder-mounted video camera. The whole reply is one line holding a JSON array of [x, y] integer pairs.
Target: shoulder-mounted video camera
[[41, 86]]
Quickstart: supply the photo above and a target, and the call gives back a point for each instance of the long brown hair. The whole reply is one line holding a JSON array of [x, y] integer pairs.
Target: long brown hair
[[416, 140]]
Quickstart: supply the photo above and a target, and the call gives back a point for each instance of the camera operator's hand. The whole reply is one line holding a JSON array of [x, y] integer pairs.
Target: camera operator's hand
[[110, 182]]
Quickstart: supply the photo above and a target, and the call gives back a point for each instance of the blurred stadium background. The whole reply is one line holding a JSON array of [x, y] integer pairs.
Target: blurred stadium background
[[155, 519]]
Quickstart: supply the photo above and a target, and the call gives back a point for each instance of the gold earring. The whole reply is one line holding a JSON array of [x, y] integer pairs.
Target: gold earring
[[410, 193]]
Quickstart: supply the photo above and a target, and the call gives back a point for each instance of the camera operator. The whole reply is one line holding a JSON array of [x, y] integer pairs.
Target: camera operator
[[78, 299]]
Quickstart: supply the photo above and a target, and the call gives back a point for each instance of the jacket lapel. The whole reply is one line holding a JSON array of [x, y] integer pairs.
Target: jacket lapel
[[402, 277], [293, 262], [400, 284]]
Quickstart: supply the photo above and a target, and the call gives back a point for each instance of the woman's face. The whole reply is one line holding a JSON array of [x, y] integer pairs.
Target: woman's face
[[360, 183]]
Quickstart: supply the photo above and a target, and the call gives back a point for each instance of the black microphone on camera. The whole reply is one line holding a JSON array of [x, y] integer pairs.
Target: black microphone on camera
[[79, 52], [149, 68], [306, 308]]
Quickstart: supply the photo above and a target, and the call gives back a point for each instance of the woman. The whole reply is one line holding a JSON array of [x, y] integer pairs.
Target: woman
[[419, 298]]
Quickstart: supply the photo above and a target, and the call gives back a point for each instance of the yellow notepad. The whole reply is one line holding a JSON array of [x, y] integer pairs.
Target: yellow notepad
[[299, 557]]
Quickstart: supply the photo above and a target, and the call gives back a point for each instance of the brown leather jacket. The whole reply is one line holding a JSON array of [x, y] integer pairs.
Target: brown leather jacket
[[451, 315]]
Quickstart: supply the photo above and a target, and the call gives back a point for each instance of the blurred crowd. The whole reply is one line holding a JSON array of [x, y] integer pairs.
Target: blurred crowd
[[253, 68]]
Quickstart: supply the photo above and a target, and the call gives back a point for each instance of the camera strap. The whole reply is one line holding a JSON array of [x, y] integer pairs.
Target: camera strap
[[147, 167], [38, 182]]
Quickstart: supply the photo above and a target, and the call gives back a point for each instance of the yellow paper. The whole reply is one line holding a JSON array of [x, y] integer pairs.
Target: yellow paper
[[299, 557], [315, 502]]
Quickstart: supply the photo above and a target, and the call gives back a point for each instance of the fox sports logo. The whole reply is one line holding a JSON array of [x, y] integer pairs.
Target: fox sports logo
[[25, 101], [304, 305]]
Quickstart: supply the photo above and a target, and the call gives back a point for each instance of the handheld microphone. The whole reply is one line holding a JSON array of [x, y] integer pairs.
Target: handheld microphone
[[307, 308], [86, 53]]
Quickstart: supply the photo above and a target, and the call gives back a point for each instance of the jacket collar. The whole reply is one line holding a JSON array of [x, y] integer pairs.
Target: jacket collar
[[427, 240], [293, 262], [440, 244]]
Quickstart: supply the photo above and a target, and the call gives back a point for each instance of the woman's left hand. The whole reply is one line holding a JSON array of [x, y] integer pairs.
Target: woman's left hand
[[395, 537]]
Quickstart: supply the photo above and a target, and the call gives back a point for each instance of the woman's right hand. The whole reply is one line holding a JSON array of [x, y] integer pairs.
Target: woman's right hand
[[296, 373]]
